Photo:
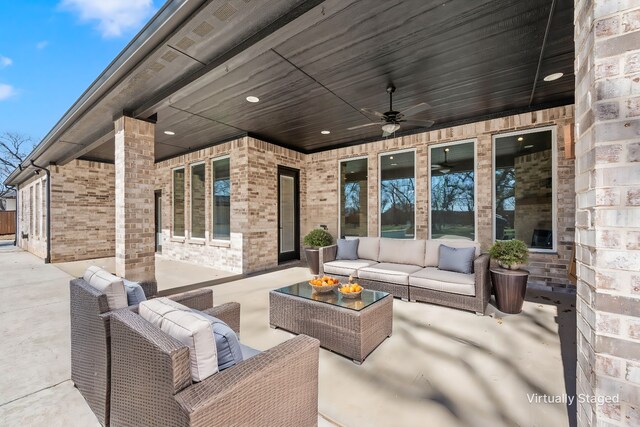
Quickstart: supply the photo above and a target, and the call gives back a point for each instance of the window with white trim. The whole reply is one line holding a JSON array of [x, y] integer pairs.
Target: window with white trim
[[453, 197], [524, 188], [221, 200], [198, 202], [397, 195], [178, 202], [353, 197]]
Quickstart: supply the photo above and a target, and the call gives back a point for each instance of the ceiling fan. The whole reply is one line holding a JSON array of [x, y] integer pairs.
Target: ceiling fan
[[444, 167], [392, 119]]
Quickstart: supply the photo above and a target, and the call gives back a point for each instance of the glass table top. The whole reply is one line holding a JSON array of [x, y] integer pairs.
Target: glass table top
[[304, 290]]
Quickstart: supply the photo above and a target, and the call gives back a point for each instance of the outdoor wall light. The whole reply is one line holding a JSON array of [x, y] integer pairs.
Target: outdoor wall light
[[390, 127], [169, 132], [552, 77], [253, 99]]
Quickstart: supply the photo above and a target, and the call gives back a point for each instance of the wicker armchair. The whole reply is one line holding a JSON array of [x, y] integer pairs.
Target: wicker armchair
[[90, 337], [152, 386]]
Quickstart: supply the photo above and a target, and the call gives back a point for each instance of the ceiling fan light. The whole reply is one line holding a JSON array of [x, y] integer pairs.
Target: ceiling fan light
[[390, 127], [444, 170]]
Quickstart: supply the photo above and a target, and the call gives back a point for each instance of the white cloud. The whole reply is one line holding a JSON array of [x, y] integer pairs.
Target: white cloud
[[42, 44], [5, 62], [6, 91], [113, 16]]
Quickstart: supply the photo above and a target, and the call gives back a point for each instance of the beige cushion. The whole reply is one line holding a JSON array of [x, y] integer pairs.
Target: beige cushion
[[401, 251], [196, 332], [432, 248], [154, 310], [446, 281], [368, 248], [91, 270], [110, 285], [346, 267], [390, 273]]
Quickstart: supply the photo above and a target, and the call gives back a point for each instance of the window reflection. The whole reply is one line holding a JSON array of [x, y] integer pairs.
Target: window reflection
[[397, 195], [353, 198]]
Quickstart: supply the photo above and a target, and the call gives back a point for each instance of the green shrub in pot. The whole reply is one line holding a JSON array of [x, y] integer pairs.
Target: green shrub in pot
[[318, 238], [315, 239], [511, 254]]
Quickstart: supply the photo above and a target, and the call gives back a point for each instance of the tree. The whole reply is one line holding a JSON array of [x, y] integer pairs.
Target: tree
[[14, 148]]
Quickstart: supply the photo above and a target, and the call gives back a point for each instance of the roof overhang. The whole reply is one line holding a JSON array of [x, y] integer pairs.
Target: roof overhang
[[314, 64]]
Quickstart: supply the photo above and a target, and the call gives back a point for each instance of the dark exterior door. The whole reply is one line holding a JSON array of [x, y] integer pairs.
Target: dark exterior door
[[288, 214]]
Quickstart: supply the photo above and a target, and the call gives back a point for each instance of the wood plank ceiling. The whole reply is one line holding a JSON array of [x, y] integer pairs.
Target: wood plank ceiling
[[468, 59]]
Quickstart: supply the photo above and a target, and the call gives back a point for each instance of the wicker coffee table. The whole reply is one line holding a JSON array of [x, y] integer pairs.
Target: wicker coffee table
[[350, 327]]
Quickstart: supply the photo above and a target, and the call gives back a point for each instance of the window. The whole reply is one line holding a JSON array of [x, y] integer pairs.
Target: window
[[32, 207], [353, 198], [221, 199], [397, 195], [524, 188], [36, 213], [453, 190], [198, 204], [178, 202]]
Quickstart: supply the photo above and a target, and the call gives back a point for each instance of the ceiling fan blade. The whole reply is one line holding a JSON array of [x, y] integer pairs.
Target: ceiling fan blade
[[372, 112], [416, 109], [363, 126], [421, 123]]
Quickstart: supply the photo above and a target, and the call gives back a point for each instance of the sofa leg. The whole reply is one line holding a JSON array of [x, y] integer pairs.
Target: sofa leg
[[404, 299], [479, 313]]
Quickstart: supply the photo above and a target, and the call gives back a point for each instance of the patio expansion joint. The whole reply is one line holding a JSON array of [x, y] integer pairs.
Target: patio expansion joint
[[34, 392]]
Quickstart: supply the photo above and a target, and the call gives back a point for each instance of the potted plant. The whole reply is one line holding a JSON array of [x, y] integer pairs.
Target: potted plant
[[316, 239], [510, 254]]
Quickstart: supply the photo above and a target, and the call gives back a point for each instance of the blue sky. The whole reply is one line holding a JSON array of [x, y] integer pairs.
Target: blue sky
[[52, 50]]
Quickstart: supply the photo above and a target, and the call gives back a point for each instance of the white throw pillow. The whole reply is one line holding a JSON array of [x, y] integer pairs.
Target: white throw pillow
[[153, 310], [196, 332], [110, 285]]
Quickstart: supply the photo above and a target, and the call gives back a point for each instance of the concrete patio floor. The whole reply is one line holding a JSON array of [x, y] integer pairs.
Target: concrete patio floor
[[441, 366]]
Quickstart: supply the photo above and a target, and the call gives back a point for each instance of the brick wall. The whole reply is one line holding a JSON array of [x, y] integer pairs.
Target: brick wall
[[254, 226], [82, 211], [546, 269], [224, 255], [607, 68]]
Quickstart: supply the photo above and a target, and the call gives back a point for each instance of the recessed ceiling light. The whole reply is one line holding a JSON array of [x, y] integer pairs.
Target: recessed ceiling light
[[552, 77], [528, 146], [520, 138], [169, 132], [253, 99], [325, 132]]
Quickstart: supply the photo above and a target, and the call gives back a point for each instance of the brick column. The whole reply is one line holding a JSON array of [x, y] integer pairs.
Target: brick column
[[607, 69], [135, 227]]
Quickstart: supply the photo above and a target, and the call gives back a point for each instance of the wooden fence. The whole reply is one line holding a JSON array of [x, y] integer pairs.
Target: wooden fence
[[7, 222]]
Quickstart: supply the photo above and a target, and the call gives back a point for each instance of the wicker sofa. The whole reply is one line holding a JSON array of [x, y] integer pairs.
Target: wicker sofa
[[91, 337], [407, 269], [152, 383]]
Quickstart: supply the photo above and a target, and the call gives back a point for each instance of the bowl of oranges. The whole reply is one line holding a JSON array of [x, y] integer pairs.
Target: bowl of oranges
[[351, 290], [324, 284]]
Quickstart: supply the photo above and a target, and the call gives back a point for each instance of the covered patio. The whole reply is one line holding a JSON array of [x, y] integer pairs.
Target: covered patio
[[228, 130], [433, 372]]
